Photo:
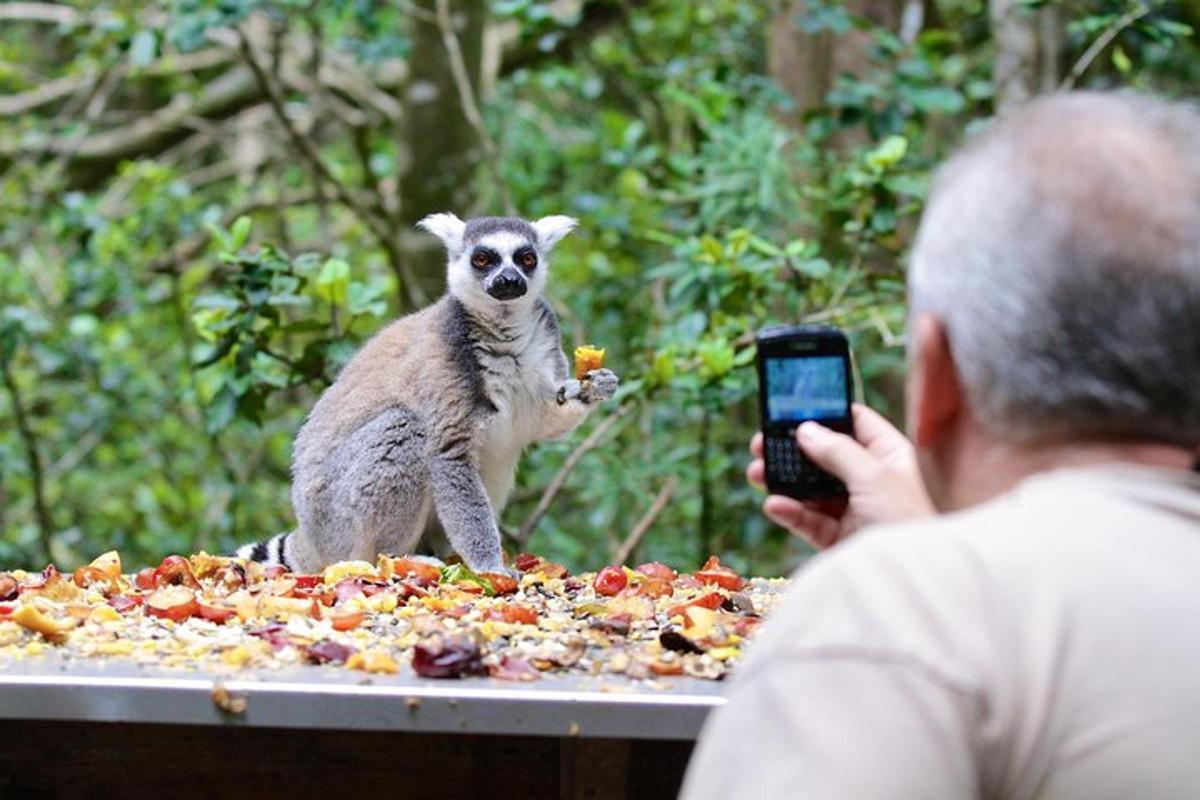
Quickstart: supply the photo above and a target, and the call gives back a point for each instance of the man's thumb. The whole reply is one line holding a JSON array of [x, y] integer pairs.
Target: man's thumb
[[835, 452]]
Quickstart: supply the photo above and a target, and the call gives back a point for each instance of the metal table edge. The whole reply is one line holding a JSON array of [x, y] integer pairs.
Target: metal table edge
[[459, 707]]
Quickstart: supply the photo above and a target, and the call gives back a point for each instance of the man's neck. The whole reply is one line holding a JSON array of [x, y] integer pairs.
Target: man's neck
[[984, 468]]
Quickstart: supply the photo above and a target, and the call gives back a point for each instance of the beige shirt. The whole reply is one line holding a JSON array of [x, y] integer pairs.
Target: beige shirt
[[1046, 644]]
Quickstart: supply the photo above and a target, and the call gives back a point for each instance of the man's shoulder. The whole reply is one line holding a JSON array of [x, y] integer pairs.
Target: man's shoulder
[[913, 593], [918, 586], [1050, 512]]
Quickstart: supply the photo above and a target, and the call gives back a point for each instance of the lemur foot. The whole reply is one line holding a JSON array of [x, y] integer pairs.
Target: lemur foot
[[500, 569]]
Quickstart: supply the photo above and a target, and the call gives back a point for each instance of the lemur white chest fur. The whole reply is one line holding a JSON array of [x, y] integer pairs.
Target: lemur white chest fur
[[518, 369]]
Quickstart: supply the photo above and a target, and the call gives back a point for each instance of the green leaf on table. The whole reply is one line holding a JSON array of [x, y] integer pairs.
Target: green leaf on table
[[459, 573]]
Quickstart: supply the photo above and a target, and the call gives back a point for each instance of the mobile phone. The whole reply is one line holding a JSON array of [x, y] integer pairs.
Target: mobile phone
[[803, 374]]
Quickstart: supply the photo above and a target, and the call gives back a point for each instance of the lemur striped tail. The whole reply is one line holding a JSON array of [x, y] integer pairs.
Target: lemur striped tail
[[271, 552]]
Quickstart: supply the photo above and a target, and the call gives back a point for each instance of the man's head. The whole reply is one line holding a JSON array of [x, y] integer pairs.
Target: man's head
[[1055, 283]]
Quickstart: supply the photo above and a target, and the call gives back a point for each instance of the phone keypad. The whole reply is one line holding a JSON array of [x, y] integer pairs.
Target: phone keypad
[[783, 456], [793, 474]]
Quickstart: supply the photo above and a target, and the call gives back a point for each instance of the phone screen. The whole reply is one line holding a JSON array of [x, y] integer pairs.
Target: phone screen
[[804, 388]]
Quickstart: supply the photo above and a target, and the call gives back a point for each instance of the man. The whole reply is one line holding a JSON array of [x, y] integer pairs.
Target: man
[[1040, 638]]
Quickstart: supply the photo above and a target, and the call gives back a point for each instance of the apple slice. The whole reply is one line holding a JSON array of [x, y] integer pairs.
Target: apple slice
[[108, 563], [175, 603], [217, 614]]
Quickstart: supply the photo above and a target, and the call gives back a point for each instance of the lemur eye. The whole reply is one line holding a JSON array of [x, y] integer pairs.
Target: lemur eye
[[528, 259], [480, 260]]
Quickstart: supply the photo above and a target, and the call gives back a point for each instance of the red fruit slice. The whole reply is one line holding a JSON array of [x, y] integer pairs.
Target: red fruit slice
[[655, 587], [609, 581], [714, 572], [327, 652], [453, 659], [346, 622], [518, 614], [126, 602], [654, 569], [175, 570], [551, 570], [145, 579], [217, 614], [406, 567], [307, 581], [501, 583], [174, 602], [526, 562], [711, 600]]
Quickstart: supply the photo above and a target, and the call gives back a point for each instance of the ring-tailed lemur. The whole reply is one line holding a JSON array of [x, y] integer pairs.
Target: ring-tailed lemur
[[434, 411]]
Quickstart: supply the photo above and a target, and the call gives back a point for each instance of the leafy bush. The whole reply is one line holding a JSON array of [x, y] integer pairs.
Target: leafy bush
[[172, 309]]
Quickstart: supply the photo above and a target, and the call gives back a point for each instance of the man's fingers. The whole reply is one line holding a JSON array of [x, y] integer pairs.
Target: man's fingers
[[756, 472], [756, 445], [836, 453], [875, 432], [818, 529]]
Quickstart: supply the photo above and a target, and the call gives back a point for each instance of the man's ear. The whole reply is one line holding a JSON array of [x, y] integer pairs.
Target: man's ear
[[446, 227], [552, 229], [936, 399]]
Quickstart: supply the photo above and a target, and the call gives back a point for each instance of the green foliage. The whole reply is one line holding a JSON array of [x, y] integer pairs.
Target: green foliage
[[165, 344], [264, 333]]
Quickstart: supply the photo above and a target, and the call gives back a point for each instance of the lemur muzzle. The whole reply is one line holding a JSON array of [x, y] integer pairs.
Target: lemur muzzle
[[509, 284]]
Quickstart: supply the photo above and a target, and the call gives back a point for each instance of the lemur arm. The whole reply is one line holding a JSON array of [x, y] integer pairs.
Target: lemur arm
[[571, 400]]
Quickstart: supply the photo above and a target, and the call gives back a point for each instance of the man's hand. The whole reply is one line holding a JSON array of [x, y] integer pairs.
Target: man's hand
[[879, 470]]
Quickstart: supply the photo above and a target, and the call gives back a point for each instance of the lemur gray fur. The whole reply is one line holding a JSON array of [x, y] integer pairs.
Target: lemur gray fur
[[433, 412]]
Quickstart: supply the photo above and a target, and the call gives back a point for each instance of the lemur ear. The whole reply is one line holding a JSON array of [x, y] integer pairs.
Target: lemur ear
[[446, 227], [551, 229]]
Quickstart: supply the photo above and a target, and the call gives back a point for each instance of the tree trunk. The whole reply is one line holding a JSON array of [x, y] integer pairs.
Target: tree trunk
[[1028, 52], [805, 63], [444, 150]]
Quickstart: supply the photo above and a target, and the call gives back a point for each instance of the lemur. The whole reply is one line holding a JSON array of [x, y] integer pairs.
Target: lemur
[[433, 412]]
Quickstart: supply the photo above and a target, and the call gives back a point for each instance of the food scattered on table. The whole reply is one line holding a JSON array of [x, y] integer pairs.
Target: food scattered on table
[[394, 616], [227, 701], [587, 358]]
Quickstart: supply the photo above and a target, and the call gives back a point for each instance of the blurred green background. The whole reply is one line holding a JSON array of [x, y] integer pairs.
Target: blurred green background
[[206, 206]]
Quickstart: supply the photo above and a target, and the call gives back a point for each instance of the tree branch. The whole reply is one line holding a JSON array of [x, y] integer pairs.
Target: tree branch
[[555, 485], [49, 92], [33, 456], [380, 228], [59, 88], [1102, 41], [647, 521], [595, 17], [48, 13], [95, 155], [470, 106]]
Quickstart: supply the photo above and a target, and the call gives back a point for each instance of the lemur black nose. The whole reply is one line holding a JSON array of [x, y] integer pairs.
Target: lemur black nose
[[508, 285]]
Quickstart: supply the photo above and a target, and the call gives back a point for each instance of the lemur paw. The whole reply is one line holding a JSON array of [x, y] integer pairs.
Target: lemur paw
[[499, 569], [570, 390], [599, 385]]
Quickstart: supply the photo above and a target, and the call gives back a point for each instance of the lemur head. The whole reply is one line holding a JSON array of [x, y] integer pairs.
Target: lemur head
[[495, 262]]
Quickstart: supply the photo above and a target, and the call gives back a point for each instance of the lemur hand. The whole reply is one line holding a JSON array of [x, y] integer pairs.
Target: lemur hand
[[598, 385]]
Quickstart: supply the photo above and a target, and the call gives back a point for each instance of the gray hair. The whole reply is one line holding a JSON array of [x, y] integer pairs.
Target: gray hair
[[1061, 250]]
